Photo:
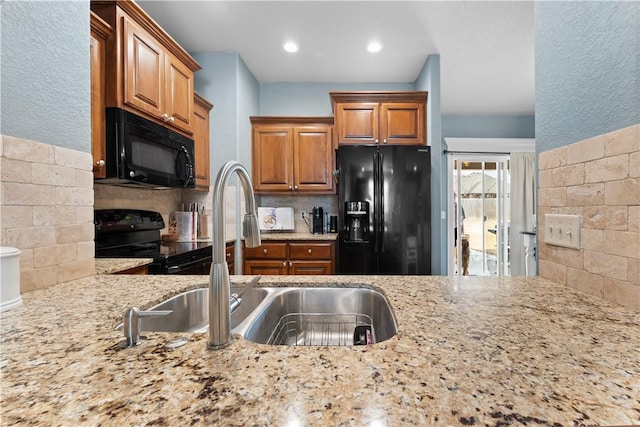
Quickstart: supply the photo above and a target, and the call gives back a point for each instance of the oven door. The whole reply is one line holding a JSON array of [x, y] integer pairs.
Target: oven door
[[144, 152], [200, 266]]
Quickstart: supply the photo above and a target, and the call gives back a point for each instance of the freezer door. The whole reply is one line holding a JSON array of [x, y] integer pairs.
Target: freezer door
[[356, 183], [405, 239]]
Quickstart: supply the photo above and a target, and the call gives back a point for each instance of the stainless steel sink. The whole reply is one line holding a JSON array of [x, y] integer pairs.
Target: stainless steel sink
[[285, 316], [320, 317], [190, 311]]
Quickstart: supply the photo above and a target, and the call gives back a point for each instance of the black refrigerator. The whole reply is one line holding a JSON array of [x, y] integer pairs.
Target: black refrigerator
[[384, 217]]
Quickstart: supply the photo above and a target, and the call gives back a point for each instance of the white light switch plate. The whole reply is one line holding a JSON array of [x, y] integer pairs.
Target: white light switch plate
[[562, 230]]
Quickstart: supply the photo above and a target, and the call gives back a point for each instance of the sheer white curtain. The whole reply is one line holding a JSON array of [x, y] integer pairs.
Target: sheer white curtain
[[523, 190]]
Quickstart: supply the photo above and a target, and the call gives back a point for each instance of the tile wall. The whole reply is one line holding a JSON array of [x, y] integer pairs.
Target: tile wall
[[46, 211], [598, 178]]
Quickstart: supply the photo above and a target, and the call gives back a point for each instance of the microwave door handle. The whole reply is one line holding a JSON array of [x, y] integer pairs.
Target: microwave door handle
[[188, 171]]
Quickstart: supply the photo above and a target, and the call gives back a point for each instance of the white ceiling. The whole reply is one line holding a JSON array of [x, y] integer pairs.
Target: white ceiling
[[486, 48]]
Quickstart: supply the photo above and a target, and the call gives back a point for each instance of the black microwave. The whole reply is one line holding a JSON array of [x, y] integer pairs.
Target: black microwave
[[140, 152]]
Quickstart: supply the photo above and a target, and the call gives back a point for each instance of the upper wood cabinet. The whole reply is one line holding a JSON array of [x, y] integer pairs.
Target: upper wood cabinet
[[202, 142], [380, 117], [100, 32], [147, 72], [293, 155]]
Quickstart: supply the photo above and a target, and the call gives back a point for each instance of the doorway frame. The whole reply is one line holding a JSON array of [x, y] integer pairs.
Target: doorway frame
[[481, 147]]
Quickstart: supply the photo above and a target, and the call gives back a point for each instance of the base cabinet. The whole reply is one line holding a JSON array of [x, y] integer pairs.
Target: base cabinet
[[290, 258], [230, 253]]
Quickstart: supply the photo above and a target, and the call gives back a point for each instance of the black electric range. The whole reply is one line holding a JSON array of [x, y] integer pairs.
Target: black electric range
[[134, 233]]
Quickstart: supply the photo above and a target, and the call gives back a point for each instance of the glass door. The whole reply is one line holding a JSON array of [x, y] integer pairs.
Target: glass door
[[479, 214]]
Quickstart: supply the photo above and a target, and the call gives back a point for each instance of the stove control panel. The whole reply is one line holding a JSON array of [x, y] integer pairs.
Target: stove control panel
[[113, 220]]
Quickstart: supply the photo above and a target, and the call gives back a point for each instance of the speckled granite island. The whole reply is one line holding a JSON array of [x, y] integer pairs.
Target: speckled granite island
[[470, 351]]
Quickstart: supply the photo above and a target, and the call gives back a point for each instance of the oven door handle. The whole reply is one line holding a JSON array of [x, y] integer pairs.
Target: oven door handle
[[180, 267]]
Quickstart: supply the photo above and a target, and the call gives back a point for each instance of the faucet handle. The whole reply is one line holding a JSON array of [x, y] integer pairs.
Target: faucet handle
[[131, 323]]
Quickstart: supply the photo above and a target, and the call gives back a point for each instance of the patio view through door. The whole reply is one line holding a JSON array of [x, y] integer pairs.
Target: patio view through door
[[479, 214]]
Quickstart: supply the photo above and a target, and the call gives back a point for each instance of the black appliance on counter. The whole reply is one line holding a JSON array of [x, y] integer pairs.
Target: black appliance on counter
[[140, 152], [132, 233], [317, 220], [384, 207]]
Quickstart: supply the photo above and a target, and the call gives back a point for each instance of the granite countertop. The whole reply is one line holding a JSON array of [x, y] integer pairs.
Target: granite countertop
[[279, 235], [470, 351], [116, 265]]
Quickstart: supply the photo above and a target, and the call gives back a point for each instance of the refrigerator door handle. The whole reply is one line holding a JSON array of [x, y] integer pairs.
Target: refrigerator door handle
[[381, 202], [376, 182]]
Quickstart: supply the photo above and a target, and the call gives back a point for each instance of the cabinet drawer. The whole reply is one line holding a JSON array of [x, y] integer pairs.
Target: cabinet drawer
[[310, 250], [267, 251], [230, 253]]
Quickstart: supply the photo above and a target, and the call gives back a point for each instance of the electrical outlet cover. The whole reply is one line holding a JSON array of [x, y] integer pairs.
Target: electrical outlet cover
[[562, 230]]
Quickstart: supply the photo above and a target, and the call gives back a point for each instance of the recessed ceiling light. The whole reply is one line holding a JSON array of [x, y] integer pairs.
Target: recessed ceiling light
[[374, 47], [290, 47]]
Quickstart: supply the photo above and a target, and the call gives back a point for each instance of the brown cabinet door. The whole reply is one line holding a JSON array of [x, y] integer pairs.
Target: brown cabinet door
[[259, 267], [311, 268], [402, 123], [202, 141], [98, 94], [144, 69], [357, 122], [272, 158], [178, 94], [313, 158]]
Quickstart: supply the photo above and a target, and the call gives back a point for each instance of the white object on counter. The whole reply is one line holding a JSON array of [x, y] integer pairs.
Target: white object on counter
[[9, 278], [271, 219]]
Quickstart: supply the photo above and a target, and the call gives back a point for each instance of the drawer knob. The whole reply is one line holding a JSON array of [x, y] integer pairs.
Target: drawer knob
[[309, 250], [228, 254], [264, 251]]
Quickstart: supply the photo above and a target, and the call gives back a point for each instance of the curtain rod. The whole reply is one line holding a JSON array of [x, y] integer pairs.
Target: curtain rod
[[474, 152]]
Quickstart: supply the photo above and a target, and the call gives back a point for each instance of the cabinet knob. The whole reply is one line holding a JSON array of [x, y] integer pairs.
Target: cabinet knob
[[171, 119], [284, 263], [295, 187], [384, 141], [290, 264], [309, 250], [264, 251], [100, 163], [228, 254], [290, 188], [165, 117], [377, 140]]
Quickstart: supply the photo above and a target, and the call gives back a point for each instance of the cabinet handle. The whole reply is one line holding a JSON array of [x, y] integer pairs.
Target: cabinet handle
[[384, 141], [284, 263], [377, 140], [100, 163], [264, 251], [309, 250], [290, 188], [290, 264], [165, 117], [295, 187]]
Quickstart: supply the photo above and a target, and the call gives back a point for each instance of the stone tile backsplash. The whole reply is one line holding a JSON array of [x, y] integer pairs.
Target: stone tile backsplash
[[46, 211], [598, 178]]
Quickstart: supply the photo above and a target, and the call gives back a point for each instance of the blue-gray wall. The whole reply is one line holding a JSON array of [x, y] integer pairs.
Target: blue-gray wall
[[483, 126], [226, 82], [587, 60], [429, 80], [311, 99], [248, 105], [45, 79]]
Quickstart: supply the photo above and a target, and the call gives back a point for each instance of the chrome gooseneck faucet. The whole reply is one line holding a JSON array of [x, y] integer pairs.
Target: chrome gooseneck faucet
[[219, 283]]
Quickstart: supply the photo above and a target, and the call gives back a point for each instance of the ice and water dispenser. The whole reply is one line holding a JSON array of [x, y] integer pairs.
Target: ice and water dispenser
[[356, 221]]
